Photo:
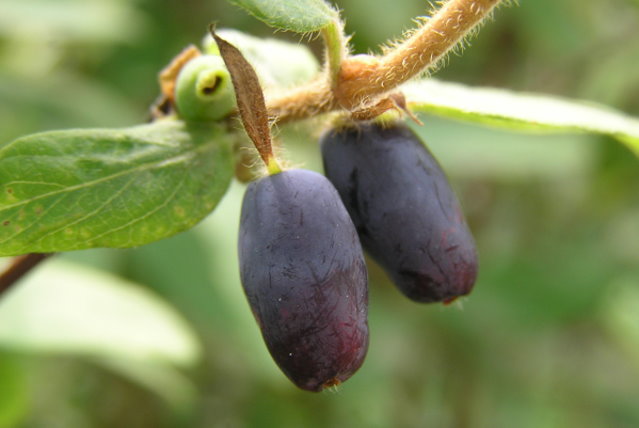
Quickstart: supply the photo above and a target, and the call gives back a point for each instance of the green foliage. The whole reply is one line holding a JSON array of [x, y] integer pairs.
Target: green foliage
[[67, 190], [300, 16], [70, 190], [504, 108], [548, 337]]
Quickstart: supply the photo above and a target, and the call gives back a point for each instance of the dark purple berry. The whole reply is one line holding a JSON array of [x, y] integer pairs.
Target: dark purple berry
[[303, 272], [404, 209]]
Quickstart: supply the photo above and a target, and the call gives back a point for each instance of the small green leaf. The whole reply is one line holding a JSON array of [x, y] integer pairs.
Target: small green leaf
[[62, 308], [300, 16], [277, 63], [70, 190], [520, 111]]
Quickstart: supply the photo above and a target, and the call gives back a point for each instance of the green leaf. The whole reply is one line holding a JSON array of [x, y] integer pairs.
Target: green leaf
[[504, 108], [300, 16], [277, 63], [62, 308], [70, 190]]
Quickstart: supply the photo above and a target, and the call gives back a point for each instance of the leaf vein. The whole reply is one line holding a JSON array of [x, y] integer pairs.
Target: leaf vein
[[44, 183], [150, 213], [90, 214]]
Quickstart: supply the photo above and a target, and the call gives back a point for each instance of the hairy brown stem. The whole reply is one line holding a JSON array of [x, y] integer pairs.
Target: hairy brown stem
[[301, 102], [424, 48], [19, 267], [363, 79]]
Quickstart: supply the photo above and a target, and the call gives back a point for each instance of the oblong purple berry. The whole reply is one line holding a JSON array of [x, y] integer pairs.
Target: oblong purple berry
[[407, 216], [303, 272]]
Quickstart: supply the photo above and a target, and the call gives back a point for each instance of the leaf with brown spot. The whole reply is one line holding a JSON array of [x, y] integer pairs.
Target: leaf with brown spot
[[118, 188]]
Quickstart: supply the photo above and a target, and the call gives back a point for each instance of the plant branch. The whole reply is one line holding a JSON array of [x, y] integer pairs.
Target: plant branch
[[424, 48], [19, 267], [363, 79]]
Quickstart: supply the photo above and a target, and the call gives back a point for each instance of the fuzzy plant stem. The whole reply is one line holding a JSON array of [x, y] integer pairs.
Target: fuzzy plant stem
[[361, 82]]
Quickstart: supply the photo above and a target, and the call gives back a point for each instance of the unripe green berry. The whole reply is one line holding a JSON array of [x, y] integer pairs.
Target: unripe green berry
[[203, 91]]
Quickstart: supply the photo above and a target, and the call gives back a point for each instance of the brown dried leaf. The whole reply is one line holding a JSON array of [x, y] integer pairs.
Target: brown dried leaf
[[250, 98]]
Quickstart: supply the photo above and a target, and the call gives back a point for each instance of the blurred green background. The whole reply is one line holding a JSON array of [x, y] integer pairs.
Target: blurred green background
[[549, 337]]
